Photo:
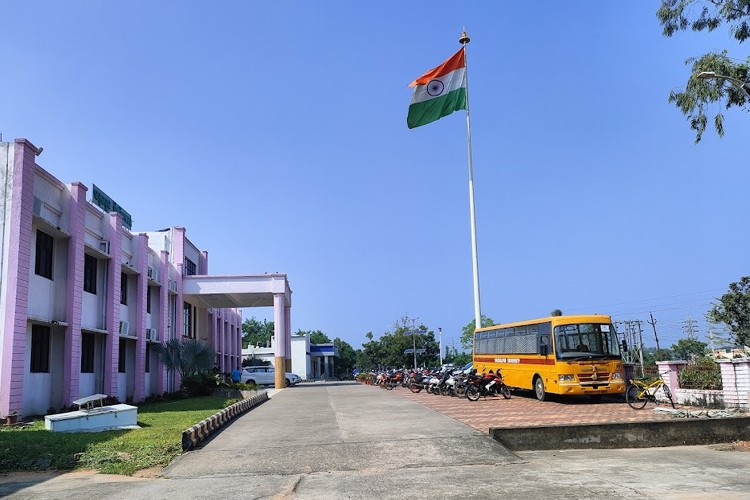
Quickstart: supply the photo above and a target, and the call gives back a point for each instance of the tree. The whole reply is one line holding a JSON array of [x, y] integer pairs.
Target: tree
[[187, 356], [316, 336], [651, 355], [689, 348], [733, 310], [700, 15], [388, 351], [255, 332], [452, 355], [556, 312], [467, 332], [346, 361], [717, 335]]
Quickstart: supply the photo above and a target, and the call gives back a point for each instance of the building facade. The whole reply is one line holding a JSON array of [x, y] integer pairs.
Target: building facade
[[84, 301]]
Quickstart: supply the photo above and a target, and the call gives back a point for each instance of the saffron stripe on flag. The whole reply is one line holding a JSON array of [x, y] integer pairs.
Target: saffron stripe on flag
[[453, 63]]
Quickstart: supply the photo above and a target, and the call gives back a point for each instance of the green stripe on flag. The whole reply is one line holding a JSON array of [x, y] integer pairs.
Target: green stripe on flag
[[425, 112]]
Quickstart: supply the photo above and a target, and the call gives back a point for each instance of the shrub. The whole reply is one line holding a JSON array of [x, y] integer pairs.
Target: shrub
[[704, 374], [199, 384]]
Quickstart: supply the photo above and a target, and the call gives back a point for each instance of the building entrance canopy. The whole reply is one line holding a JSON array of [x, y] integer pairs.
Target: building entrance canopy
[[263, 290], [236, 290]]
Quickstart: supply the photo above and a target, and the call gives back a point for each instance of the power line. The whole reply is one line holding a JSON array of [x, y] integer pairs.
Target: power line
[[644, 300]]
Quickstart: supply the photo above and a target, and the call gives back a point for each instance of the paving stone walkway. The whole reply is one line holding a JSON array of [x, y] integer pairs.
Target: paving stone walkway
[[524, 410]]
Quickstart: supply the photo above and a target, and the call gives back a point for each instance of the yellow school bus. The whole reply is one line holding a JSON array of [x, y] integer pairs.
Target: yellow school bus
[[567, 355]]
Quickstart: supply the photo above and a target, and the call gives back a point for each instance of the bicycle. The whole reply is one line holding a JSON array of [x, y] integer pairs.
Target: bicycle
[[639, 393]]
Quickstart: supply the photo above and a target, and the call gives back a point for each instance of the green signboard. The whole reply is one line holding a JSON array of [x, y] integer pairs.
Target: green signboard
[[107, 204]]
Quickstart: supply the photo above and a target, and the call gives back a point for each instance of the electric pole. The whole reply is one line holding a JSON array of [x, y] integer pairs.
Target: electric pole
[[653, 325]]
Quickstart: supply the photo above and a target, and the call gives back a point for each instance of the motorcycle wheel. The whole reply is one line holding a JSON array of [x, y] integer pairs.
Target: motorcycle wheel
[[505, 391], [445, 390], [415, 388], [472, 393], [389, 386]]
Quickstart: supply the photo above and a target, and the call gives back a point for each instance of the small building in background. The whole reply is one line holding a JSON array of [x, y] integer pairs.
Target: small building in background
[[309, 361]]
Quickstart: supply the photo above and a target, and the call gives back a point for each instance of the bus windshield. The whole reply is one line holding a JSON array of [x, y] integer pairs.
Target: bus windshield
[[586, 341]]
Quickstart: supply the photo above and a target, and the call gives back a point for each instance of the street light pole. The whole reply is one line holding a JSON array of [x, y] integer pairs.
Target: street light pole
[[707, 75], [440, 337], [414, 345]]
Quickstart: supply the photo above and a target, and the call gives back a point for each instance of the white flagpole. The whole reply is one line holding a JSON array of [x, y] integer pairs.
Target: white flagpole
[[464, 40]]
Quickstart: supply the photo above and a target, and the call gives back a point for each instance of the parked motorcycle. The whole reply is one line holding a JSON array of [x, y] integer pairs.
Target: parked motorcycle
[[417, 381], [394, 379], [438, 383], [484, 385]]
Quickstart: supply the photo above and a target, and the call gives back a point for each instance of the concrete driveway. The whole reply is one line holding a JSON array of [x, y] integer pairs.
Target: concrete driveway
[[343, 440]]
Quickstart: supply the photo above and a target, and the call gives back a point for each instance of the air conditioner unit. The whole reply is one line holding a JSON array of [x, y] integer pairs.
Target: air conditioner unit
[[124, 327], [151, 334], [37, 206], [104, 246]]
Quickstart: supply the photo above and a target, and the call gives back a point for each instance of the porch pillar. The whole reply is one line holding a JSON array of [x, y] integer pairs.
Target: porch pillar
[[288, 336], [279, 330]]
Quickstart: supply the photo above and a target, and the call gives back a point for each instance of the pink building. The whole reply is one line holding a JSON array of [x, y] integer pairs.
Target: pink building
[[83, 300]]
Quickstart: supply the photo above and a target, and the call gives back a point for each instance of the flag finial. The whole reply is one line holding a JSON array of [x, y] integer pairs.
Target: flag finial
[[464, 38]]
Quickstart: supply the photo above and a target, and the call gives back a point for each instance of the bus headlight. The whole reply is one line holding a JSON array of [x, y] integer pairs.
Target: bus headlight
[[567, 378], [617, 376]]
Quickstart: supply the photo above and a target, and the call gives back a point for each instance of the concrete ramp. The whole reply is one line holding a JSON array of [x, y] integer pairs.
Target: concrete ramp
[[323, 428]]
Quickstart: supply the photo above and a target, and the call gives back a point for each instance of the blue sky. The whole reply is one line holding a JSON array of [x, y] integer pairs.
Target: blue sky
[[276, 133]]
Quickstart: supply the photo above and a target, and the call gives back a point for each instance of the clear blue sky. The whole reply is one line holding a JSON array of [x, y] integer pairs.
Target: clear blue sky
[[276, 133]]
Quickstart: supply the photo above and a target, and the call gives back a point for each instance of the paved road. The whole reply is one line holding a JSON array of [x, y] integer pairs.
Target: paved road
[[350, 441]]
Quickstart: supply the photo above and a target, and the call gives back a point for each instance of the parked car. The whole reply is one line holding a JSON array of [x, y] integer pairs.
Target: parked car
[[266, 375]]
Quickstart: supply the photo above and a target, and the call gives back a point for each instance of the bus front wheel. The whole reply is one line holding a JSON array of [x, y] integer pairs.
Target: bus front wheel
[[539, 388]]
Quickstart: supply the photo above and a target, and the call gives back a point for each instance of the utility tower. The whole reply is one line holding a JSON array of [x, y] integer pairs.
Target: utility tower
[[690, 328], [632, 332]]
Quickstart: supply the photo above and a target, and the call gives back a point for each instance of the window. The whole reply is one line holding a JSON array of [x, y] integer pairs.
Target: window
[[190, 268], [148, 358], [122, 356], [39, 349], [88, 341], [89, 273], [44, 245], [123, 289], [187, 319], [148, 299]]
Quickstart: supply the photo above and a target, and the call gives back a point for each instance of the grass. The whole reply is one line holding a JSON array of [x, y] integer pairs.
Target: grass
[[30, 448]]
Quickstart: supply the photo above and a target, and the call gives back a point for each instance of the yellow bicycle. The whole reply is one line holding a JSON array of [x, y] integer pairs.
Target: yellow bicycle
[[639, 393]]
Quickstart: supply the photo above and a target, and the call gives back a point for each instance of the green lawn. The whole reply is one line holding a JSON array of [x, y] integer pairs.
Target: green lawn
[[111, 452]]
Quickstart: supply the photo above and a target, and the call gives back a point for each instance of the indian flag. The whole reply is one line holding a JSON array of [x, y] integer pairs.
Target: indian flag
[[439, 92]]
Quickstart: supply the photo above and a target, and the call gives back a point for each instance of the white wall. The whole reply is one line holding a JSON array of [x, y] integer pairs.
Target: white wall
[[300, 357], [47, 387]]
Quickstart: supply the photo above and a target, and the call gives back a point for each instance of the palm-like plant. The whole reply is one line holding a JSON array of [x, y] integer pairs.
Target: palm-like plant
[[187, 356]]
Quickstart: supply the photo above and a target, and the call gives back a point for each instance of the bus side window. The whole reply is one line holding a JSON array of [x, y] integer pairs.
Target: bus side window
[[544, 345]]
